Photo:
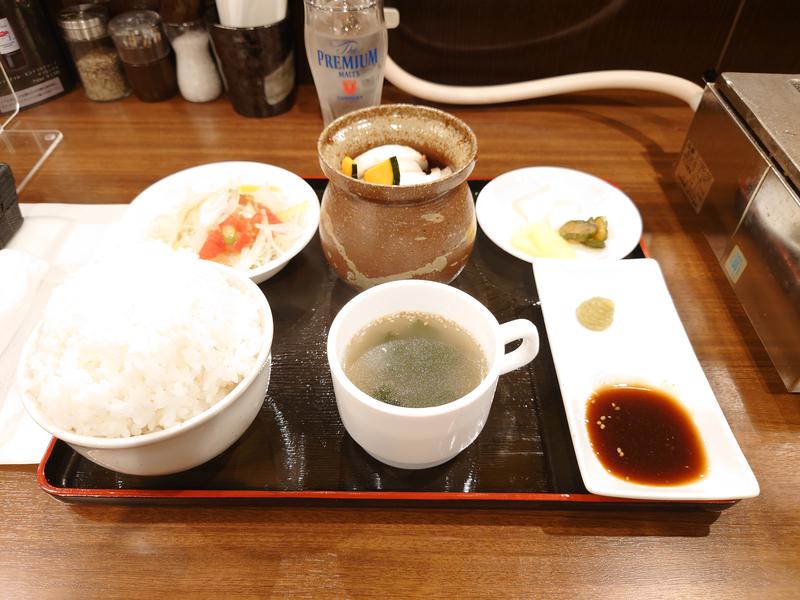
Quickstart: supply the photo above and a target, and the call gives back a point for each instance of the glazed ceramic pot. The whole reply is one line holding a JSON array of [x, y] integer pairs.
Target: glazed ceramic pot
[[373, 233]]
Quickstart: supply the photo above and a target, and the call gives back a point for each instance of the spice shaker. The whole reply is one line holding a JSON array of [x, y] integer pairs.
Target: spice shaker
[[145, 53], [85, 29], [198, 79]]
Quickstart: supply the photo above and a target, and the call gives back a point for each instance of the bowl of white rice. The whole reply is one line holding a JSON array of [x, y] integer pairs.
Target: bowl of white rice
[[149, 362]]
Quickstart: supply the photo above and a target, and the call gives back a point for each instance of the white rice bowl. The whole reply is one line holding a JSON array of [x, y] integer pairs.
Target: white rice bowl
[[141, 342]]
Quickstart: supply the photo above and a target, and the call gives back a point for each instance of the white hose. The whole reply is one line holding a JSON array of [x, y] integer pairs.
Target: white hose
[[563, 84]]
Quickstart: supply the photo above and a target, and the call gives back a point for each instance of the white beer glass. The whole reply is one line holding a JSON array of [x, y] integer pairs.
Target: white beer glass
[[346, 44]]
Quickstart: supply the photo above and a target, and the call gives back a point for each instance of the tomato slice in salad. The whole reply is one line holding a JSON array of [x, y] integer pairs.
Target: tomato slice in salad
[[214, 246], [233, 235]]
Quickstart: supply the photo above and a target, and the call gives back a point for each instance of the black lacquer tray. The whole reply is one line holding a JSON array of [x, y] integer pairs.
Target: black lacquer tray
[[298, 451]]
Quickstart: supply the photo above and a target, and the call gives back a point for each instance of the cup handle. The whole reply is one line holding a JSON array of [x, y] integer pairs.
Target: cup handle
[[519, 329]]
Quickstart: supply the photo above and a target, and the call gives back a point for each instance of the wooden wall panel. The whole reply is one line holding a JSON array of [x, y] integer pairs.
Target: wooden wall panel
[[766, 38], [474, 42], [481, 42]]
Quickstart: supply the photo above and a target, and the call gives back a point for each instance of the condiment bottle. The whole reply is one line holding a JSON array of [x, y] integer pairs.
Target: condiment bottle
[[145, 53], [85, 29], [32, 57], [198, 79]]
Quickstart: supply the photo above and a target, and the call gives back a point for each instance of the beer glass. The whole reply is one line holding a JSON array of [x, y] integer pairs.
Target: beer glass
[[346, 44]]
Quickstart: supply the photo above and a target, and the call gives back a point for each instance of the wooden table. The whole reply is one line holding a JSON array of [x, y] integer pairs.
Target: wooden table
[[112, 151]]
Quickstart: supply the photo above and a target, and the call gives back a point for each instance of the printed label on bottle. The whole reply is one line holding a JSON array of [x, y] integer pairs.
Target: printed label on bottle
[[349, 86], [8, 41], [348, 61]]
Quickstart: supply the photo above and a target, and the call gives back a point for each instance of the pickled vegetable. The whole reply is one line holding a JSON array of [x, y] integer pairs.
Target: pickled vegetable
[[592, 232], [349, 167], [577, 231], [386, 172], [540, 241]]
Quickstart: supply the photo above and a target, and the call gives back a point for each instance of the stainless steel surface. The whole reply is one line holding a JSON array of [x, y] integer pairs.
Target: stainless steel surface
[[770, 105], [736, 169], [768, 287], [719, 168]]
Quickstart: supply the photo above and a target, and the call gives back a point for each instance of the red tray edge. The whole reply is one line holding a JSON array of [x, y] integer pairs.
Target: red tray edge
[[63, 493]]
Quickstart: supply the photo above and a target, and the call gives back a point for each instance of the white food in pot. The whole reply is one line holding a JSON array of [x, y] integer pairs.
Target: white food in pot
[[404, 154], [413, 165]]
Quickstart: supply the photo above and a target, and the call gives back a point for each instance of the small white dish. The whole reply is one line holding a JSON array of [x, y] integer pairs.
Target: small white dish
[[168, 194], [646, 344], [555, 195]]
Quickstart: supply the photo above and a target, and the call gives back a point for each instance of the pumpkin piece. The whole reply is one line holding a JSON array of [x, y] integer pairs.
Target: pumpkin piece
[[386, 172], [349, 167]]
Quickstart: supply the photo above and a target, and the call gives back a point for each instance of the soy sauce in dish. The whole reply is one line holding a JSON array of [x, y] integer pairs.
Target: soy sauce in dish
[[644, 436]]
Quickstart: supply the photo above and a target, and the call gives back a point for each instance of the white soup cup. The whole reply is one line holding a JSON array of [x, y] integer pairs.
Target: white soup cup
[[418, 438]]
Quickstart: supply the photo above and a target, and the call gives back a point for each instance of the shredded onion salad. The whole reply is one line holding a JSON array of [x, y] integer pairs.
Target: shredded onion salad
[[242, 226]]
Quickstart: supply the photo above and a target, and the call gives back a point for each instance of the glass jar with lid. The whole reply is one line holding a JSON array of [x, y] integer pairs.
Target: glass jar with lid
[[85, 28], [146, 55]]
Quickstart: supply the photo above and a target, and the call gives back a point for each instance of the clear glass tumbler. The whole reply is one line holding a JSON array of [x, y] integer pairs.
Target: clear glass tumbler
[[346, 44]]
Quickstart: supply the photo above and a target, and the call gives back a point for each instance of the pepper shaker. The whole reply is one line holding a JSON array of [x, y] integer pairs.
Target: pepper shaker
[[145, 53], [85, 29]]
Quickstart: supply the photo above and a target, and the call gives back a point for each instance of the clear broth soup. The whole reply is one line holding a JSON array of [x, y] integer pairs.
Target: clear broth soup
[[415, 360]]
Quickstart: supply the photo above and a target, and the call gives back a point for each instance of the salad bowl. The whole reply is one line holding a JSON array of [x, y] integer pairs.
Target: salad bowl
[[252, 216]]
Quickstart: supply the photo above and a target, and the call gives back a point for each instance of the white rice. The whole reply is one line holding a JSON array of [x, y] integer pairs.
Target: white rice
[[140, 343]]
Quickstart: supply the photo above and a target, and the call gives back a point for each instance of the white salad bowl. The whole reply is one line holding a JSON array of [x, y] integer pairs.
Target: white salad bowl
[[190, 443], [149, 214]]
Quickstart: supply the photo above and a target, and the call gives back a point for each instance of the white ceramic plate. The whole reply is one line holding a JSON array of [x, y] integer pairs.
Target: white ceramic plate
[[167, 194], [556, 195], [645, 344]]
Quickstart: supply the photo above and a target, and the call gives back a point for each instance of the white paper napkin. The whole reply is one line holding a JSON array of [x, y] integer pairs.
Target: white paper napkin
[[65, 237], [20, 276]]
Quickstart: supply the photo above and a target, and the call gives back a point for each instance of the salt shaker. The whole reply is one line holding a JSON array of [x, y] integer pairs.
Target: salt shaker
[[85, 29], [198, 79], [145, 53]]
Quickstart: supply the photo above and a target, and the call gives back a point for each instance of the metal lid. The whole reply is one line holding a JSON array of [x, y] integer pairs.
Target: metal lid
[[83, 22], [770, 105]]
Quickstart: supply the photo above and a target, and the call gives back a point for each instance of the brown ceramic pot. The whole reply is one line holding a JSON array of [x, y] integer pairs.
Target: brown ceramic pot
[[373, 233]]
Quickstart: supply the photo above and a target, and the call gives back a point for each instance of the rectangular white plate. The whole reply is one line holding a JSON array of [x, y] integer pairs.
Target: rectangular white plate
[[645, 344]]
